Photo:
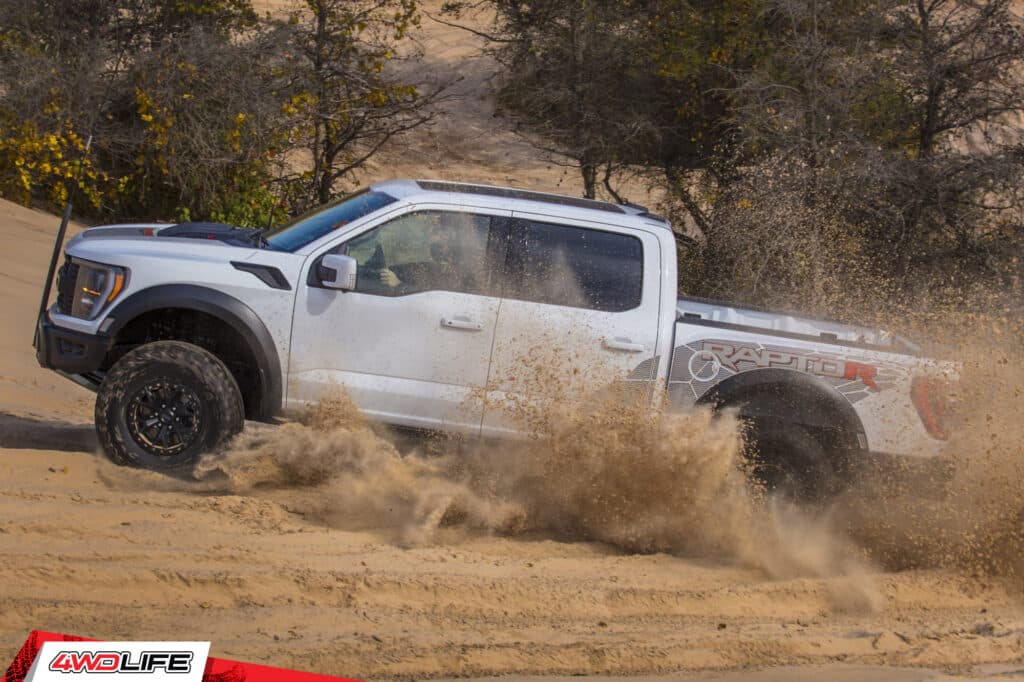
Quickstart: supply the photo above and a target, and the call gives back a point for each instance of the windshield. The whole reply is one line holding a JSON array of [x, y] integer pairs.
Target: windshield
[[309, 227]]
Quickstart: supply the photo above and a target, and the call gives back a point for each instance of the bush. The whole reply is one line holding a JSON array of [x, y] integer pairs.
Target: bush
[[196, 106], [43, 165]]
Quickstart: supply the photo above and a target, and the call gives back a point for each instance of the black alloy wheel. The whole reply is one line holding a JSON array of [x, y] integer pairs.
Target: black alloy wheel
[[166, 403]]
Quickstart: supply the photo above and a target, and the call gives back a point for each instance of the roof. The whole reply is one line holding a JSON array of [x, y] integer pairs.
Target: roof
[[406, 188]]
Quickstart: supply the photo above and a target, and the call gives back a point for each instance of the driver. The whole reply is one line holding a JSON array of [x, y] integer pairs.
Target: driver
[[444, 270]]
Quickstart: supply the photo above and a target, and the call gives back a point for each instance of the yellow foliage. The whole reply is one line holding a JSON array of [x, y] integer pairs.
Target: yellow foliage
[[38, 163]]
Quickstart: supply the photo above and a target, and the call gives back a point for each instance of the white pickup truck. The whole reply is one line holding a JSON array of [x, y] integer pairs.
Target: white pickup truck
[[427, 301]]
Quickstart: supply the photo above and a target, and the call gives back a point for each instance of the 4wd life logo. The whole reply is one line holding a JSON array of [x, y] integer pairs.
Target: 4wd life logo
[[122, 662], [152, 661], [705, 363]]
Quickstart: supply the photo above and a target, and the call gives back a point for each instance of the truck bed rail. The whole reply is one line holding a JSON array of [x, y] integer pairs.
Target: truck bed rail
[[701, 310]]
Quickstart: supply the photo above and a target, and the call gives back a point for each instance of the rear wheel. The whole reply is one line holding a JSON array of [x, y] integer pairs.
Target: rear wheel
[[790, 462], [164, 404]]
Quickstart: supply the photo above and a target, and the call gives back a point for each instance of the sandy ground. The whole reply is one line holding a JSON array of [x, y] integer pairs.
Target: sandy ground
[[89, 550], [82, 552]]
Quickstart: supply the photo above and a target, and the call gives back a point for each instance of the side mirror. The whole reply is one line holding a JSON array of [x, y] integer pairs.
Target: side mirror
[[338, 272]]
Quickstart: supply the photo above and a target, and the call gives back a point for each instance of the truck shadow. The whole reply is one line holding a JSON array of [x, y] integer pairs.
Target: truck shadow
[[29, 433]]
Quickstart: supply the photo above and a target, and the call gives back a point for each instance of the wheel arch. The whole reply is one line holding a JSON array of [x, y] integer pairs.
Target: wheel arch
[[792, 397], [235, 314]]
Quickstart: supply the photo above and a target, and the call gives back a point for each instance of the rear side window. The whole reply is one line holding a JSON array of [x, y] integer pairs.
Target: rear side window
[[575, 267]]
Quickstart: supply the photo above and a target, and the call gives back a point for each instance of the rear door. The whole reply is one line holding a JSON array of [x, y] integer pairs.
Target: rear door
[[580, 310]]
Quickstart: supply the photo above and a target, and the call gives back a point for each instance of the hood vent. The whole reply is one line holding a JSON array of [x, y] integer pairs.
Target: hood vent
[[227, 234]]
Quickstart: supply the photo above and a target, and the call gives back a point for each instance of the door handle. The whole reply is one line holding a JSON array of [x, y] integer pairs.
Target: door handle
[[462, 322], [624, 344]]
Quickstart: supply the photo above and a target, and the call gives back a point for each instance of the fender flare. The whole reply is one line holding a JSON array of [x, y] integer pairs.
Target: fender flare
[[788, 396], [236, 314]]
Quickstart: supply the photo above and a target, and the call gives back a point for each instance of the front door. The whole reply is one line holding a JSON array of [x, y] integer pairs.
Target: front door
[[580, 312], [412, 344]]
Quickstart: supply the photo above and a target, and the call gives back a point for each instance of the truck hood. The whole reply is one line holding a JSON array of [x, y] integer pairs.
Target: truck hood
[[113, 243], [209, 232], [126, 231]]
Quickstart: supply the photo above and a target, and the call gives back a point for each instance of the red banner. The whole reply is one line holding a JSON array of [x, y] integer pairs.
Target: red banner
[[215, 670]]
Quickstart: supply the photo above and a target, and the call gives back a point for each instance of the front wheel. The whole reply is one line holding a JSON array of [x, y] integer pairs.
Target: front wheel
[[164, 404]]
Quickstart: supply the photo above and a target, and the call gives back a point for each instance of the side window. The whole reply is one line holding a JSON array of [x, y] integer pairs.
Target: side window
[[423, 251], [575, 267]]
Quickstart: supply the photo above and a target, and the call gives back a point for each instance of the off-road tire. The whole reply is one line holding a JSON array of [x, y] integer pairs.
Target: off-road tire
[[213, 402], [790, 462]]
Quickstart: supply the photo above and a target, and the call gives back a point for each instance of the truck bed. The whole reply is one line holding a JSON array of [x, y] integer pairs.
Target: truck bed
[[701, 310]]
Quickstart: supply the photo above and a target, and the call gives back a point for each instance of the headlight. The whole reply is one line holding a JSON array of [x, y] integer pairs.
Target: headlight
[[95, 286]]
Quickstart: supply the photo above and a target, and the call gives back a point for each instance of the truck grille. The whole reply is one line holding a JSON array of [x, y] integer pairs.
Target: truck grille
[[66, 278]]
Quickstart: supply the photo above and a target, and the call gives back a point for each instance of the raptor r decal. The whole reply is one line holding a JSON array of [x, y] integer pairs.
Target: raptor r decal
[[736, 356], [699, 365]]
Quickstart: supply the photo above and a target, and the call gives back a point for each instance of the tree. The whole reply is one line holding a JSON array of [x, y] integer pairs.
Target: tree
[[122, 70], [700, 46], [894, 121], [959, 194], [568, 68], [50, 56], [617, 88], [196, 132], [198, 107], [343, 102]]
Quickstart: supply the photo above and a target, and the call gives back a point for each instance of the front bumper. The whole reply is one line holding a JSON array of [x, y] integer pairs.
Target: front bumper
[[67, 351]]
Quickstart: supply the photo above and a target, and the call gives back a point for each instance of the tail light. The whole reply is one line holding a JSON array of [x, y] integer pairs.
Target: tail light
[[934, 400]]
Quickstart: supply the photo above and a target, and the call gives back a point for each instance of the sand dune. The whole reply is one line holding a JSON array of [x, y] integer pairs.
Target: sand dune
[[83, 551]]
